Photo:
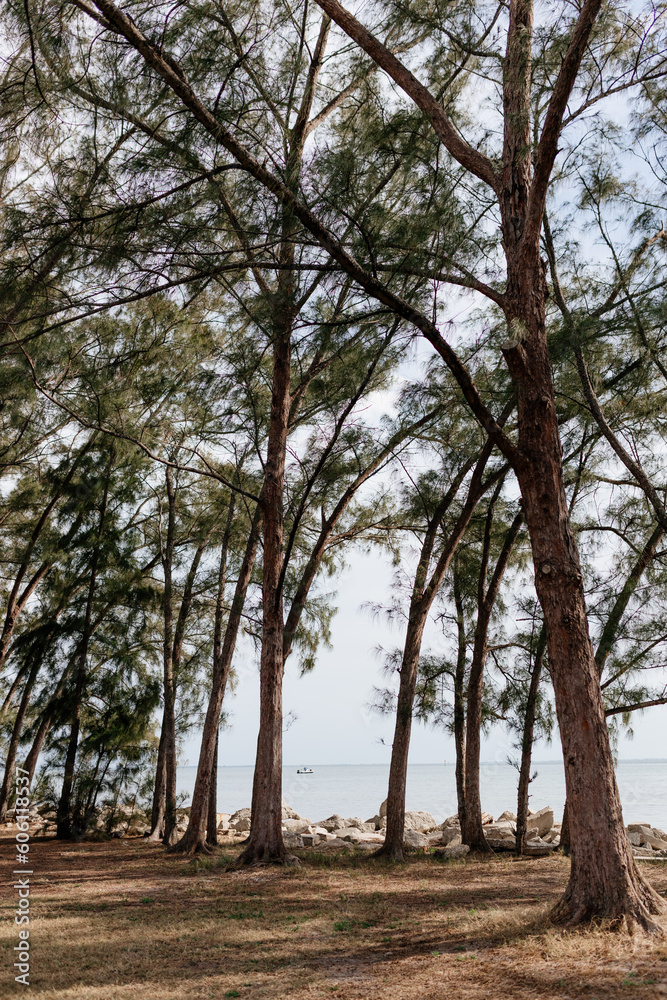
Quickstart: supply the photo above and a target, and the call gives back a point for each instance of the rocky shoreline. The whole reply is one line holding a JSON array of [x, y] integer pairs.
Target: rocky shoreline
[[340, 833]]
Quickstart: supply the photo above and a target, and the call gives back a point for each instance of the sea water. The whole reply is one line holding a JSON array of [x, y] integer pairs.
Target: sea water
[[359, 789]]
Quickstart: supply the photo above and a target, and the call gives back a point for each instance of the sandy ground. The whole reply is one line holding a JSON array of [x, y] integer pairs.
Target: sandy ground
[[123, 920]]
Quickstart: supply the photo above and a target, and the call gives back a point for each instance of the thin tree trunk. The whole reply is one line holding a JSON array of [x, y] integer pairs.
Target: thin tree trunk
[[46, 720], [194, 838], [265, 843], [169, 688], [459, 697], [212, 816], [472, 830], [423, 596], [21, 673], [159, 790], [64, 827], [527, 744]]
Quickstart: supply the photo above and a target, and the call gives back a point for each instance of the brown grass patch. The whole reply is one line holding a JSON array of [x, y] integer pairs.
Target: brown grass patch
[[124, 921]]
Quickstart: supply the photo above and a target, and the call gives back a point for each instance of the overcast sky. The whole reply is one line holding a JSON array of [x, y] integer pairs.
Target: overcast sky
[[333, 723]]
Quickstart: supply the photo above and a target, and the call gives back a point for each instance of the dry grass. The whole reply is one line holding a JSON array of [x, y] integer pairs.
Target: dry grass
[[123, 921]]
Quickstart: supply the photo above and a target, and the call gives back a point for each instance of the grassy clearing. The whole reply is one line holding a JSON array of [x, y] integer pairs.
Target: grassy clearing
[[123, 921]]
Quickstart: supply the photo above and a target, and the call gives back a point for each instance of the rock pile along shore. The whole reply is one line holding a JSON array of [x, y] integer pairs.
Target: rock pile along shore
[[337, 832]]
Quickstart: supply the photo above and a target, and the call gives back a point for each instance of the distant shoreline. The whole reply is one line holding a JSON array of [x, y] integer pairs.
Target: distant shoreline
[[484, 763]]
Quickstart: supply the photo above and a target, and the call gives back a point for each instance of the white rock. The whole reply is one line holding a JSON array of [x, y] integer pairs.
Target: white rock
[[292, 840], [412, 838], [506, 816], [419, 821], [296, 825], [353, 835], [334, 822], [451, 821], [543, 819], [454, 851], [240, 821], [360, 824], [500, 830], [500, 843], [451, 837]]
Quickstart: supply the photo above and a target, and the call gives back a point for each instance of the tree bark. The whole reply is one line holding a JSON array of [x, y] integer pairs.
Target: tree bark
[[194, 839], [527, 744], [423, 595], [159, 792], [459, 697], [265, 843], [472, 830], [169, 687], [64, 826], [212, 814], [604, 879]]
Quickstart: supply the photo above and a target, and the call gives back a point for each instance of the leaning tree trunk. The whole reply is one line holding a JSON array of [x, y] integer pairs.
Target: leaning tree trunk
[[46, 721], [527, 738], [398, 770], [424, 592], [159, 791], [194, 839], [212, 812]]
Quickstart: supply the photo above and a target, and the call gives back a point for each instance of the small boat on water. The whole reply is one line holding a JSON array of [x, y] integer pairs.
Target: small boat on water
[[304, 770]]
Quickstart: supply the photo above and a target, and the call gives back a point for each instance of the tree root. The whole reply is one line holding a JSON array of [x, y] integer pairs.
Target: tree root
[[632, 913], [258, 857]]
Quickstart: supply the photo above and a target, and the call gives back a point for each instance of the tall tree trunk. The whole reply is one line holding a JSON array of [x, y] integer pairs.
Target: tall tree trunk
[[64, 827], [472, 830], [169, 687], [159, 790], [266, 840], [265, 843], [459, 697], [194, 838], [527, 737], [212, 814], [604, 879], [424, 592]]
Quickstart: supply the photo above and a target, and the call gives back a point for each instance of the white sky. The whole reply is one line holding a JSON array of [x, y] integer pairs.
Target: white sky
[[334, 724]]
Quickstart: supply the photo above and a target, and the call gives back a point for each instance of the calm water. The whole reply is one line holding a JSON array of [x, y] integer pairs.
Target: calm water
[[358, 790]]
